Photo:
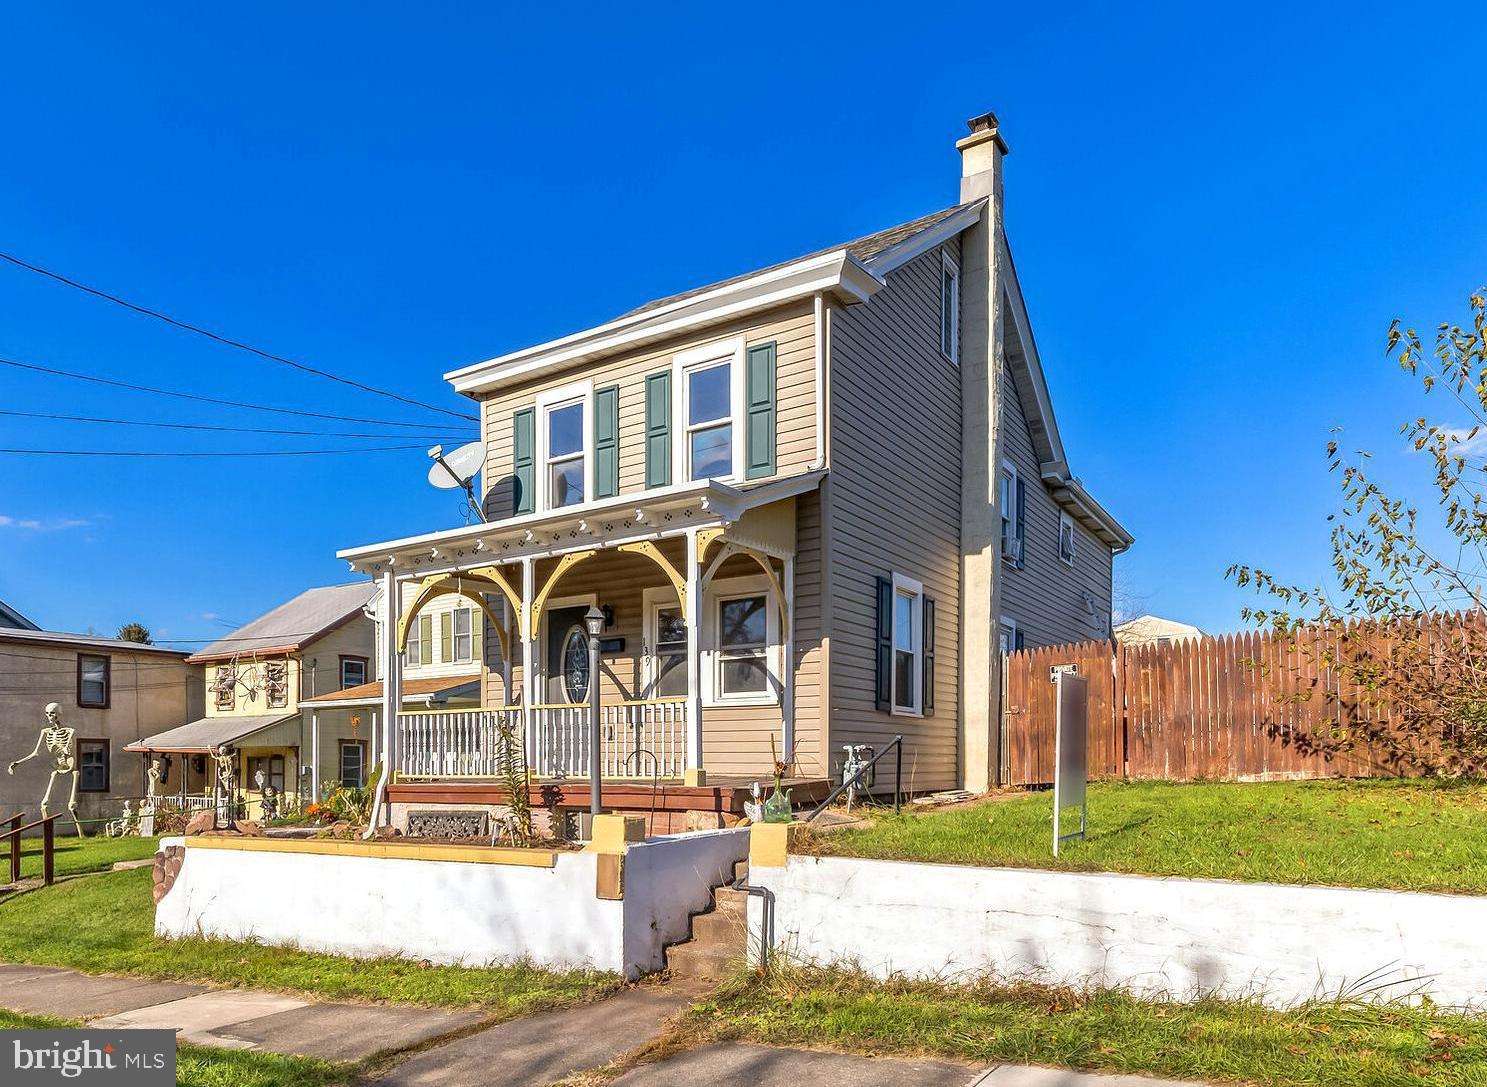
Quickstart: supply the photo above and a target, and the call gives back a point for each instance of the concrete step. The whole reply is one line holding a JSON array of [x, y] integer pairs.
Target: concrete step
[[729, 900], [697, 961], [722, 930]]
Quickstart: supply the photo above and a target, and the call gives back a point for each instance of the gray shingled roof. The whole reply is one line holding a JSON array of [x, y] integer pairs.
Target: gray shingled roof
[[208, 733], [864, 249], [86, 641], [295, 623]]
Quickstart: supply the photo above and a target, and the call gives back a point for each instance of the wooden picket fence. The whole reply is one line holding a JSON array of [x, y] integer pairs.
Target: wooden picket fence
[[1199, 709]]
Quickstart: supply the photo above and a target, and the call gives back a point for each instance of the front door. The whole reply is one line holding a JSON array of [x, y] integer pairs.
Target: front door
[[567, 656]]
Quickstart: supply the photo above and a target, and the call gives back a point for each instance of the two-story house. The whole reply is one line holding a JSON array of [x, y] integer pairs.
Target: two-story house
[[815, 503], [259, 681]]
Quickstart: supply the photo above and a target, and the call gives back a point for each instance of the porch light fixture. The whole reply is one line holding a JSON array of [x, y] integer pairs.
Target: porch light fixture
[[594, 620]]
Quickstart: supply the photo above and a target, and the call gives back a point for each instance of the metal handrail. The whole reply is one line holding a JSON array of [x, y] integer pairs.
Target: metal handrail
[[897, 746]]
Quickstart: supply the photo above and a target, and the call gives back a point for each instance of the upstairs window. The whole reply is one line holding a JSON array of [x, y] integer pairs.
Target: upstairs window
[[565, 454], [462, 643], [949, 309], [1066, 539], [1011, 514], [353, 672], [709, 438], [92, 681]]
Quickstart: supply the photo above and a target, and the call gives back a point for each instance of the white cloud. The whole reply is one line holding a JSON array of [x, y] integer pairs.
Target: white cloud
[[1462, 440], [35, 524]]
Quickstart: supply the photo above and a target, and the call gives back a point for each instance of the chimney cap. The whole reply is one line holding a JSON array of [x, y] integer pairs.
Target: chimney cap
[[987, 122]]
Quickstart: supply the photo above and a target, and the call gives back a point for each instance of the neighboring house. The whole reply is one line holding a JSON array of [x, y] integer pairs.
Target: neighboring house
[[110, 692], [1154, 630], [257, 681], [812, 503], [10, 619]]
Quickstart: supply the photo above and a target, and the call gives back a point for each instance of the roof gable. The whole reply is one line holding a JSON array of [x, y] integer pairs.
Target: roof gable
[[294, 624]]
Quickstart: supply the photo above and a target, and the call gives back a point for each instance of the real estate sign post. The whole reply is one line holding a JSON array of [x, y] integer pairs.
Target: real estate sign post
[[1071, 751]]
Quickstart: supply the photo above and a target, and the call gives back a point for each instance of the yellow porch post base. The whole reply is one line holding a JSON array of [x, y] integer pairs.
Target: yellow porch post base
[[770, 843], [615, 833], [694, 779]]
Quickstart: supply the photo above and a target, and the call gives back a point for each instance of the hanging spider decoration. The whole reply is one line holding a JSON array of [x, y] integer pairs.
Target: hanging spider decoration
[[250, 678], [224, 684]]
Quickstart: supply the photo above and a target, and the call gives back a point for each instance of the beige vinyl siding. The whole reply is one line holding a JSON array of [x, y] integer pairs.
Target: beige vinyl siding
[[894, 506], [1046, 597], [791, 328]]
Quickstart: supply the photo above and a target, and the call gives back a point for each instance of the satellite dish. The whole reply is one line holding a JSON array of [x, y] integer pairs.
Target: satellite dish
[[457, 469], [455, 472]]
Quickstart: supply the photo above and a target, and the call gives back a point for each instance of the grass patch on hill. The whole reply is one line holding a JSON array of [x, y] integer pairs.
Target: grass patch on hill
[[1409, 835], [1358, 1044]]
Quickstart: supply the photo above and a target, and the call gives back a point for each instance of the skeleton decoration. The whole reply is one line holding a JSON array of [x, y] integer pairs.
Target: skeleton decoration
[[153, 777], [224, 685], [59, 742], [126, 825], [225, 762], [270, 802]]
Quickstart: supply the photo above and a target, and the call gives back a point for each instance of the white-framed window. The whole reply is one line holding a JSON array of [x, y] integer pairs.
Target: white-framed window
[[1007, 635], [908, 645], [353, 671], [1067, 538], [741, 645], [949, 308], [708, 406], [1011, 530], [565, 438], [412, 658], [463, 646]]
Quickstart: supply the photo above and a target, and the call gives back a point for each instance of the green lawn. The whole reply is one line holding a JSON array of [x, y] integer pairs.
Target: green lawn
[[202, 1066], [72, 855], [104, 924], [1319, 1044], [1419, 836]]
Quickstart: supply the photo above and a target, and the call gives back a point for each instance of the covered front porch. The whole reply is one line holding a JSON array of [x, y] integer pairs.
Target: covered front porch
[[699, 667]]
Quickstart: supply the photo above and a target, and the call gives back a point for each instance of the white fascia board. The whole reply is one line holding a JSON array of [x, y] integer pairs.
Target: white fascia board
[[1069, 493], [837, 273], [1017, 311], [916, 245]]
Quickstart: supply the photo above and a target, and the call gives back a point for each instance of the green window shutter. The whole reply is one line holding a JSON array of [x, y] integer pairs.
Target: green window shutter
[[477, 635], [658, 429], [927, 662], [446, 637], [425, 639], [607, 441], [884, 684], [523, 454], [759, 426]]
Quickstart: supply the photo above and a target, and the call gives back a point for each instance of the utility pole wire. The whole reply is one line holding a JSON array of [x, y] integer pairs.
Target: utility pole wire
[[227, 341], [208, 399], [203, 426], [213, 453]]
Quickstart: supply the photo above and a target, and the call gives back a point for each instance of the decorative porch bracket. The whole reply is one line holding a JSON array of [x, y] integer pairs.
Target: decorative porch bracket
[[496, 575], [654, 553], [729, 550], [565, 563], [436, 585]]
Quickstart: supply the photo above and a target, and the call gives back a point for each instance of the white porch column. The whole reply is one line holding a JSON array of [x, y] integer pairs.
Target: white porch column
[[787, 696], [392, 697], [528, 664], [695, 774], [315, 756], [372, 746]]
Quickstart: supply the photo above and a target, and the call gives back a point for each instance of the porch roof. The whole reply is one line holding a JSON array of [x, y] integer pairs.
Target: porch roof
[[430, 688], [207, 733], [664, 511]]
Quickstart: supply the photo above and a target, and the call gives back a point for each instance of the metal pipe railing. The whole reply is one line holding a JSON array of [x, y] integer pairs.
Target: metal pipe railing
[[897, 746]]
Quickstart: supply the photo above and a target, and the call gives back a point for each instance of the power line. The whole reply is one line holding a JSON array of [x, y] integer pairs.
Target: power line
[[204, 426], [207, 399], [228, 341], [213, 453]]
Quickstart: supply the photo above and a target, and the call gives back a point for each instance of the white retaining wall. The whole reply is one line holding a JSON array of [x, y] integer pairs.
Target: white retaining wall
[[1158, 937], [451, 911]]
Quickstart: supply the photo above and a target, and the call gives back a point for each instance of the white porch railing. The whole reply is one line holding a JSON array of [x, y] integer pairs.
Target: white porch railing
[[453, 743], [640, 740]]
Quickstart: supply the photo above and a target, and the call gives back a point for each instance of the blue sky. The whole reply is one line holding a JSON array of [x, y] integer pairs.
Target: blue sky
[[1215, 213]]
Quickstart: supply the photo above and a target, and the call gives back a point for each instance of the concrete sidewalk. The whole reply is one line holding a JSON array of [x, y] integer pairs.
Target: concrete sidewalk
[[229, 1018]]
